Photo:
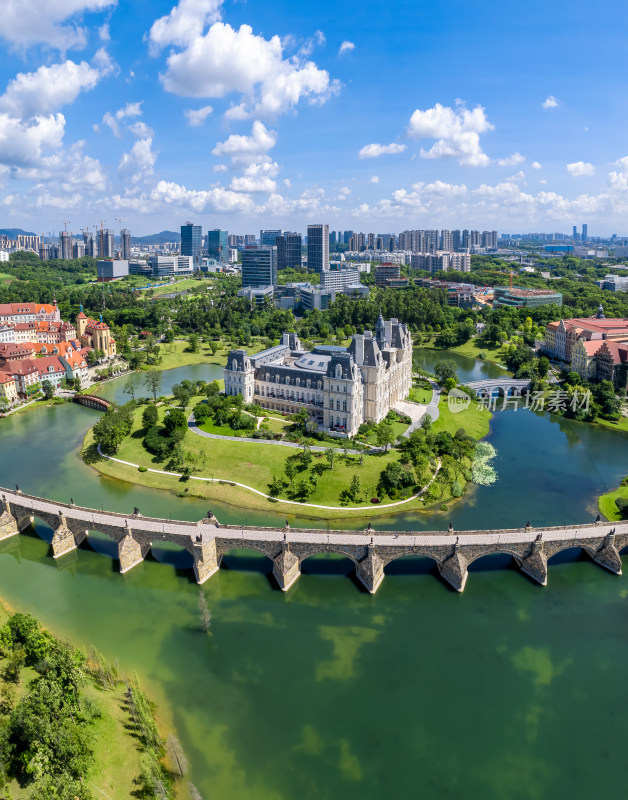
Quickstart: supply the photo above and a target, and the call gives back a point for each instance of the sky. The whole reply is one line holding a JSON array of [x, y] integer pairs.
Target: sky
[[371, 116]]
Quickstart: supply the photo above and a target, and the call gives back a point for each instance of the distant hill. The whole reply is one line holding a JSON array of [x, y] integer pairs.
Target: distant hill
[[13, 232], [157, 238]]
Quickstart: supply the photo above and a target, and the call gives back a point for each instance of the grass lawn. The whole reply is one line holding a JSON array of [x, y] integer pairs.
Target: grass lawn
[[423, 396], [275, 425], [179, 286], [622, 425], [473, 350], [607, 505], [6, 278], [254, 464], [222, 430], [398, 429], [474, 421]]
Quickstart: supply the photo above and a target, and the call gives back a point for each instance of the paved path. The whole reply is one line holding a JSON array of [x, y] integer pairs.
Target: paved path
[[418, 415], [279, 499]]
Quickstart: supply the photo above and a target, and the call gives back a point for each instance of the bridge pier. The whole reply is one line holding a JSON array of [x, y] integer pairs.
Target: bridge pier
[[535, 563], [206, 561], [607, 554], [370, 570], [454, 569], [63, 539], [8, 525], [131, 552], [286, 567]]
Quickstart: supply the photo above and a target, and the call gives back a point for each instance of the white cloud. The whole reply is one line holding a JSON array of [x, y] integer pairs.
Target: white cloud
[[27, 22], [376, 150], [518, 176], [185, 22], [139, 163], [220, 167], [247, 149], [618, 179], [127, 111], [535, 165], [511, 161], [31, 94], [257, 178], [25, 143], [141, 130], [307, 48], [104, 32], [217, 199], [346, 47], [197, 116], [287, 183], [580, 168], [374, 179], [457, 133], [550, 102], [226, 60]]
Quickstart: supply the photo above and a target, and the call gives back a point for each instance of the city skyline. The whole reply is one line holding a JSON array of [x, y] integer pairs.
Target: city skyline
[[241, 116]]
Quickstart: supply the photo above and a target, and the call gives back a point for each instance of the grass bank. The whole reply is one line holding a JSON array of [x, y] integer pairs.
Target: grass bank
[[606, 503], [99, 748], [476, 422]]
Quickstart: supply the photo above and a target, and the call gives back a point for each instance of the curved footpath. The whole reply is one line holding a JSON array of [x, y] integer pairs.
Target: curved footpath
[[270, 497]]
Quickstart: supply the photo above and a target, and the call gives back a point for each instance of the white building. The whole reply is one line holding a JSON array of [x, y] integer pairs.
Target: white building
[[339, 387]]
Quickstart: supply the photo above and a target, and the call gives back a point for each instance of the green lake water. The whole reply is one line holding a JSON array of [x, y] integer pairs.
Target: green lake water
[[507, 691]]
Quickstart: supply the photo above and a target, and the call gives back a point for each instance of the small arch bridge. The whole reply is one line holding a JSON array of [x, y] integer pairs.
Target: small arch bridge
[[207, 541], [92, 401]]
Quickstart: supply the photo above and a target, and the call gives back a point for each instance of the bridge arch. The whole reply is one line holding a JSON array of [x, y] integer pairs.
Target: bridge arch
[[500, 559], [331, 561], [571, 553], [412, 564], [246, 558]]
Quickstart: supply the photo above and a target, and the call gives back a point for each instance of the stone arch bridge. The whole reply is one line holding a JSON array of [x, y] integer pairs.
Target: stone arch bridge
[[509, 387], [207, 541]]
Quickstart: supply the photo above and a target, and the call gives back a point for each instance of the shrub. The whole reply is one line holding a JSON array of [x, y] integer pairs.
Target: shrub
[[142, 469], [622, 506], [374, 499]]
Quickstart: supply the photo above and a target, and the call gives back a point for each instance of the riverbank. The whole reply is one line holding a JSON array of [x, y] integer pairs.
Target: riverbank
[[105, 720], [470, 349]]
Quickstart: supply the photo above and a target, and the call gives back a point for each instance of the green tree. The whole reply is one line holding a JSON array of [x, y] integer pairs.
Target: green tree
[[129, 388], [542, 367], [169, 336], [152, 381], [150, 415], [354, 489], [192, 343], [444, 370], [48, 389], [290, 470], [385, 435], [174, 420]]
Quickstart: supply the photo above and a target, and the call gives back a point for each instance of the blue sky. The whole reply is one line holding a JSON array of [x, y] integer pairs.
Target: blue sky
[[370, 116]]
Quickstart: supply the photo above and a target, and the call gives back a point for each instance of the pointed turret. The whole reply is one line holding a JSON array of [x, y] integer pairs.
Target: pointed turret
[[600, 313], [380, 330]]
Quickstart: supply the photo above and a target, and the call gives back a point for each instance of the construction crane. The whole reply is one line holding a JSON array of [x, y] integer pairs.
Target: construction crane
[[510, 273]]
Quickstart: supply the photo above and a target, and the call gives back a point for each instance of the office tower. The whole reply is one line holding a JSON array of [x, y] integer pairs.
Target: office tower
[[318, 248], [446, 240], [259, 266], [268, 237], [218, 244], [456, 240], [585, 233], [370, 241], [332, 237], [575, 234], [125, 243], [192, 243], [289, 248], [249, 239], [65, 239], [346, 237], [379, 243]]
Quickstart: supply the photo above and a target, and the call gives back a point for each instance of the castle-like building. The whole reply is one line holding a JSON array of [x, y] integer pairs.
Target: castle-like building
[[340, 387], [95, 334]]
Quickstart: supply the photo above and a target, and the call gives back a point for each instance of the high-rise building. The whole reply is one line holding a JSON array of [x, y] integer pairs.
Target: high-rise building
[[125, 243], [259, 266], [575, 234], [332, 237], [192, 243], [65, 238], [318, 248], [91, 244], [456, 240], [106, 247], [489, 239], [289, 248], [268, 237], [446, 240], [249, 239], [346, 237], [585, 233], [218, 244], [78, 249]]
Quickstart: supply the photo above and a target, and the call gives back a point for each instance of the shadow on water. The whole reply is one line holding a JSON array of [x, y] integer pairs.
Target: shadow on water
[[569, 556], [411, 565], [493, 562]]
